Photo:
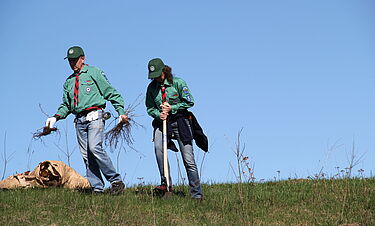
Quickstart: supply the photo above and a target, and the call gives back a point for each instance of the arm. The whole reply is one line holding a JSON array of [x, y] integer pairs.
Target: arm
[[62, 112], [186, 97], [64, 109], [152, 110]]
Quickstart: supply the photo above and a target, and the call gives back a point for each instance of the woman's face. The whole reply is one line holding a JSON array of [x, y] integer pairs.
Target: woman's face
[[160, 79]]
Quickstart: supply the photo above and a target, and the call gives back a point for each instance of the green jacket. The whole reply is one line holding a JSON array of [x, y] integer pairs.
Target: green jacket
[[94, 90], [178, 96]]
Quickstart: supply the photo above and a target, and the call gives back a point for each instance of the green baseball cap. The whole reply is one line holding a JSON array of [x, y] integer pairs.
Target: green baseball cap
[[155, 67], [74, 52]]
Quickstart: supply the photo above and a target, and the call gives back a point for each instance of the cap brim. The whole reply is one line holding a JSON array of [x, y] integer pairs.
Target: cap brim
[[73, 57], [154, 74]]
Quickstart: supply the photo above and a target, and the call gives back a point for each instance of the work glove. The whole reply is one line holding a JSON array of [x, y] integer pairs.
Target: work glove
[[123, 119], [50, 122]]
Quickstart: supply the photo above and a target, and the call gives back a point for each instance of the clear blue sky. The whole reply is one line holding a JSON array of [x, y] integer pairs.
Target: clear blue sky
[[297, 76]]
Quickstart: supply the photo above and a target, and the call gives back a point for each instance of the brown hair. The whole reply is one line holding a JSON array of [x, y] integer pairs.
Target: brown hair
[[168, 74]]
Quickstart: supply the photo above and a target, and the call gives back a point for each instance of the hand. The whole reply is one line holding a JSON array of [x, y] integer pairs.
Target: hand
[[123, 119], [166, 107], [50, 122], [163, 115]]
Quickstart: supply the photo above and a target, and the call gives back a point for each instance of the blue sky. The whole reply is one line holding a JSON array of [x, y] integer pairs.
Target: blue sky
[[297, 76]]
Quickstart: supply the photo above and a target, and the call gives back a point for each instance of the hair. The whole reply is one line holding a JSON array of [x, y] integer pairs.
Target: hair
[[168, 73]]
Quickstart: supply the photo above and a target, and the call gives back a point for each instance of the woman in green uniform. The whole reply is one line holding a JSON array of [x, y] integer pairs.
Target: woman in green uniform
[[174, 110]]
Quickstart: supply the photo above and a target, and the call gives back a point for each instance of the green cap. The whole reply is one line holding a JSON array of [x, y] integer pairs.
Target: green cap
[[155, 67], [74, 52]]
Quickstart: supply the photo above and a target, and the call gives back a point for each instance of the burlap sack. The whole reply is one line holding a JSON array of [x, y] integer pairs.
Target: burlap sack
[[21, 180], [47, 174]]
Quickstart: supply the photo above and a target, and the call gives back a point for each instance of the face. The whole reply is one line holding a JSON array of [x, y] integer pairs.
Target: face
[[160, 79], [77, 63]]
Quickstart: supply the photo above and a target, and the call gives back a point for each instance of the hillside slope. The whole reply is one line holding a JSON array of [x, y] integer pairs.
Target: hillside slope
[[306, 202]]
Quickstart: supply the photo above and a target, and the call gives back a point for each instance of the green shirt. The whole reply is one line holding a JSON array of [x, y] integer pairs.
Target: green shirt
[[178, 96], [94, 90]]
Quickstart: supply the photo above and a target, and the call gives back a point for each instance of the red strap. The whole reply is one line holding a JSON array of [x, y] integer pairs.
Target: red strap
[[76, 88], [163, 94]]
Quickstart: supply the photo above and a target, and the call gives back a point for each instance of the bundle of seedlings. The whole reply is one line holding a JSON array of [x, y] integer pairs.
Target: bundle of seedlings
[[122, 133], [43, 132]]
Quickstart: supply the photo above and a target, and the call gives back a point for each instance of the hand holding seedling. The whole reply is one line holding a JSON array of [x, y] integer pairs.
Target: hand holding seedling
[[123, 119], [50, 122]]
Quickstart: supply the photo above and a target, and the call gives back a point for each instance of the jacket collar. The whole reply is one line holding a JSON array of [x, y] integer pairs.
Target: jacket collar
[[84, 69], [166, 83]]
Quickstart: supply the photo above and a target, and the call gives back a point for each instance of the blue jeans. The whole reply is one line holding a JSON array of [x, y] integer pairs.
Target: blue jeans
[[187, 157], [90, 136]]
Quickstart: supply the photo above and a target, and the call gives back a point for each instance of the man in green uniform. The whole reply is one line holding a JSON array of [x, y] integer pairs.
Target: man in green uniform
[[85, 94]]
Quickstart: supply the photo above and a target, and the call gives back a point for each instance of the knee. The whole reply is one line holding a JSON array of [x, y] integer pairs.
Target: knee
[[158, 147], [95, 149], [190, 164]]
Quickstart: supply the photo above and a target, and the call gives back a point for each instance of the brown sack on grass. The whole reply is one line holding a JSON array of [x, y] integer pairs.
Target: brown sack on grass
[[21, 180], [47, 174]]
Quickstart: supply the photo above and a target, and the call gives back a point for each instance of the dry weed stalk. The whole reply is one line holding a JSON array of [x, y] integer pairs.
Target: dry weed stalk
[[245, 171], [6, 158]]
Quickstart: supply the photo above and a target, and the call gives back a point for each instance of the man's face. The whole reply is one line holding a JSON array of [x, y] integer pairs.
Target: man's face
[[77, 63]]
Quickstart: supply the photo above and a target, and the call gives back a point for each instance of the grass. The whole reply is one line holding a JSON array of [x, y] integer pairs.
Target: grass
[[291, 202]]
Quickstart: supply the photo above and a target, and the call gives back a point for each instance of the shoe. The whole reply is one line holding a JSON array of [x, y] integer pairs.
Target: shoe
[[117, 187], [163, 188]]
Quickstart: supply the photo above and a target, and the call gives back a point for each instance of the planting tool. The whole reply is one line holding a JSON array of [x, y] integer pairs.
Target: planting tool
[[165, 149]]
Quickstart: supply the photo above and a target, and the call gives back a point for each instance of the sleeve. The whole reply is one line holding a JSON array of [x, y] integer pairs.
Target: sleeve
[[64, 110], [109, 93], [152, 110], [187, 100]]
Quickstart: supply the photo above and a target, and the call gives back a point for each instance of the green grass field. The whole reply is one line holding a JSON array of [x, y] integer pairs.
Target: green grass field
[[291, 202]]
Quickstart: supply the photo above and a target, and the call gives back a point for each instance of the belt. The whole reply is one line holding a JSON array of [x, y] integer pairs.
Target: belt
[[87, 110]]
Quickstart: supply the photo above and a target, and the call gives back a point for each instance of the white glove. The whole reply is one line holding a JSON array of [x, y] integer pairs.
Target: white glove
[[50, 122], [123, 119]]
